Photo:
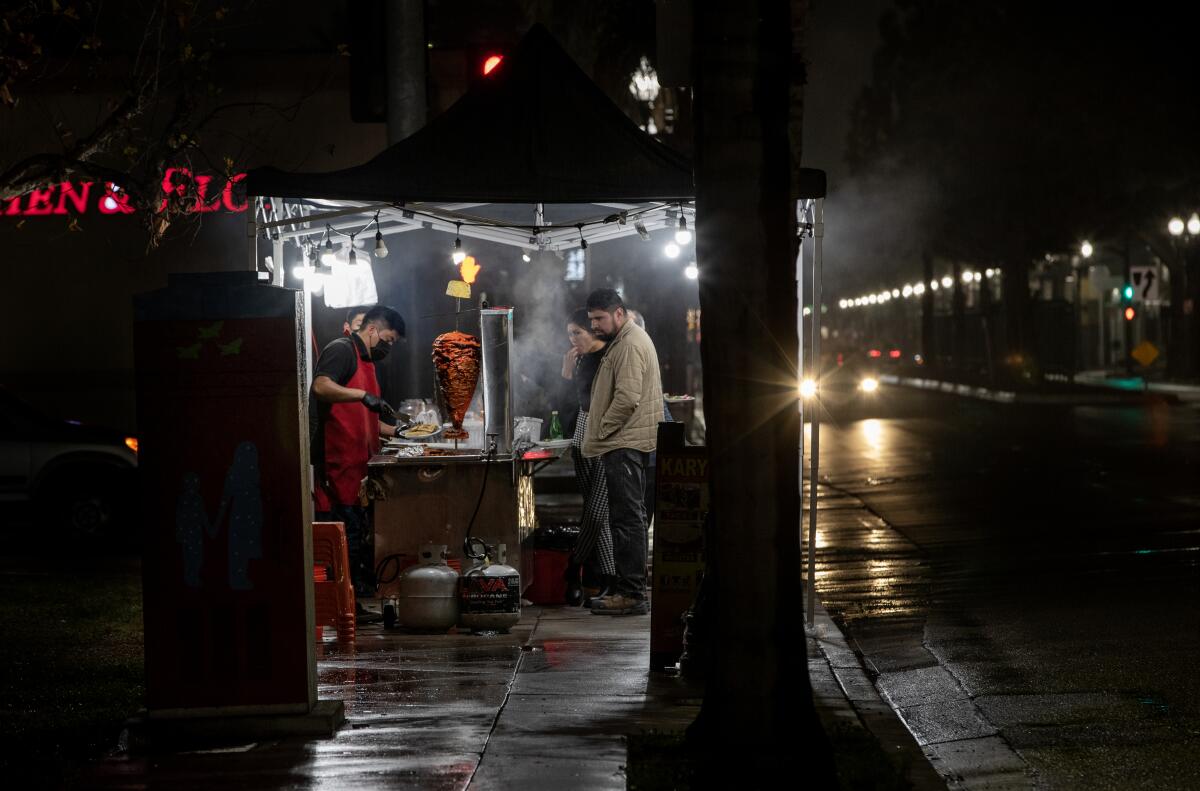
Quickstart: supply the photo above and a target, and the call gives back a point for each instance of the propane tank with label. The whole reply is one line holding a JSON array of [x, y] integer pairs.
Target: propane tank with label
[[427, 600], [489, 592]]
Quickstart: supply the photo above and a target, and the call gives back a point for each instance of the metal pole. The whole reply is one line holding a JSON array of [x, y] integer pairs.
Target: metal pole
[[801, 220], [252, 234], [277, 277], [815, 444], [404, 30]]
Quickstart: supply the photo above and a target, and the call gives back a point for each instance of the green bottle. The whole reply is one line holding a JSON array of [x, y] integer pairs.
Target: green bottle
[[555, 426]]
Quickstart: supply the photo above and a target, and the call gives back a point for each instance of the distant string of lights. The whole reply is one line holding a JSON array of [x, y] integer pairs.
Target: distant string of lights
[[916, 289]]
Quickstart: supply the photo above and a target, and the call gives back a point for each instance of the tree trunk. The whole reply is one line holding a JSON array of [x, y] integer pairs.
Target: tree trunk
[[1014, 285], [929, 349], [758, 702]]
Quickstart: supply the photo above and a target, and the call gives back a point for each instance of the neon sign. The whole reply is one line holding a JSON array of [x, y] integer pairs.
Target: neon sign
[[107, 198]]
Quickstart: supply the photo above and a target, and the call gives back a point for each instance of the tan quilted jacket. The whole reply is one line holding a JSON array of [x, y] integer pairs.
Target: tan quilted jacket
[[627, 400]]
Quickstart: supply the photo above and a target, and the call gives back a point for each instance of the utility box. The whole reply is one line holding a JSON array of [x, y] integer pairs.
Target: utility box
[[225, 500]]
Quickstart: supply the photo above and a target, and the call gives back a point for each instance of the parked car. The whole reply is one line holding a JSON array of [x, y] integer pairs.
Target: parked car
[[75, 476]]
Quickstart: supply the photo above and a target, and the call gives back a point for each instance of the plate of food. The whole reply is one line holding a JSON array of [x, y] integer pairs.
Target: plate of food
[[421, 431], [552, 443]]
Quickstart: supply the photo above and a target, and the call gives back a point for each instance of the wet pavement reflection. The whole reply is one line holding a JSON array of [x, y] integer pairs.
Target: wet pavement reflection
[[544, 707], [1021, 577]]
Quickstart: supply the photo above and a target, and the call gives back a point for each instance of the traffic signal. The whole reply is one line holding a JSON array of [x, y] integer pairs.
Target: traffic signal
[[490, 61], [1130, 313], [1127, 292]]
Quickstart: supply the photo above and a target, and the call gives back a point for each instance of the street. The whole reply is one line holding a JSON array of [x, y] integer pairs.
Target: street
[[1023, 580]]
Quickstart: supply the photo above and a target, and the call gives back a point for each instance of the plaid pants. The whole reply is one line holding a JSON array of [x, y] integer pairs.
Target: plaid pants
[[595, 539]]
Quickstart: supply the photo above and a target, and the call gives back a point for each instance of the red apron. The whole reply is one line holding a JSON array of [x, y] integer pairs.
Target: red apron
[[351, 438]]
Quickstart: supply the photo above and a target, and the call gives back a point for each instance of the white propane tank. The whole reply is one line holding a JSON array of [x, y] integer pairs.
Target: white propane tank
[[490, 595], [427, 600]]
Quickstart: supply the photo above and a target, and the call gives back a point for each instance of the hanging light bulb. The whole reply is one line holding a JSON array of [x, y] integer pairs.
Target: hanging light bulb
[[671, 250], [691, 272], [582, 241], [381, 250], [327, 255], [353, 257], [525, 256], [683, 235], [458, 255]]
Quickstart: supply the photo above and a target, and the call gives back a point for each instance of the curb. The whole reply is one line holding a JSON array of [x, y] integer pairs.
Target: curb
[[844, 694], [1105, 397]]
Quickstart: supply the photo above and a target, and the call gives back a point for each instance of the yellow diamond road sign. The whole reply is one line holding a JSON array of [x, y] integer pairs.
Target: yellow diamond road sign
[[1145, 353]]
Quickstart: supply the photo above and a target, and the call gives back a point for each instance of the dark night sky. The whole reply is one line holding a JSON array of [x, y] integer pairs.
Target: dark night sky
[[840, 43], [840, 46]]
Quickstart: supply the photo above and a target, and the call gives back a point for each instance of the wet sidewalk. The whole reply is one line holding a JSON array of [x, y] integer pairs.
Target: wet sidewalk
[[545, 707]]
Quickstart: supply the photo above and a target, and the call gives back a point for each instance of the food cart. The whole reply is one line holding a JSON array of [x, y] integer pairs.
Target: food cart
[[558, 154]]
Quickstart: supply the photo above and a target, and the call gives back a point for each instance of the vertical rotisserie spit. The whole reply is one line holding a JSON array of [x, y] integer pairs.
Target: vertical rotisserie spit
[[456, 358]]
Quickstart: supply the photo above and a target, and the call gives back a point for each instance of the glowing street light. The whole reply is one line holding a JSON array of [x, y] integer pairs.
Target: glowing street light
[[1193, 224], [1086, 249], [947, 281], [808, 388], [1175, 226]]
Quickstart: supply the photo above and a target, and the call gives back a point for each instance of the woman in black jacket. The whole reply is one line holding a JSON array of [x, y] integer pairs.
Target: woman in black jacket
[[593, 552]]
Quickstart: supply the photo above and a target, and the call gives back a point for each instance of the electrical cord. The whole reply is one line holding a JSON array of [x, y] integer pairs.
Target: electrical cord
[[469, 541]]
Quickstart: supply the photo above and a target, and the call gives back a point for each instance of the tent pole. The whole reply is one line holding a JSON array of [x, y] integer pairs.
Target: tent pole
[[815, 445], [252, 236]]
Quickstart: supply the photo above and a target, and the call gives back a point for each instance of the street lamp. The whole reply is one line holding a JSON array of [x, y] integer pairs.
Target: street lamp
[[1086, 249], [1175, 226]]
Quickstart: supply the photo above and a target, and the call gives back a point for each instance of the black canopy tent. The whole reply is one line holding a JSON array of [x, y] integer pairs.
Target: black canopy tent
[[536, 130], [534, 156]]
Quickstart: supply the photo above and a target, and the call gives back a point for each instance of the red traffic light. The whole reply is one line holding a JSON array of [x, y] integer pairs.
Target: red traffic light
[[1129, 314], [490, 63]]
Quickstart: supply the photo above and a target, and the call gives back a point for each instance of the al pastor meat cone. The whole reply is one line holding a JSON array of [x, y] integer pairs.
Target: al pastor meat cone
[[456, 358]]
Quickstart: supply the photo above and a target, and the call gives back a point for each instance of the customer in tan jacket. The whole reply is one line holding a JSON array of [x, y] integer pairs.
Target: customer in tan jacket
[[623, 429]]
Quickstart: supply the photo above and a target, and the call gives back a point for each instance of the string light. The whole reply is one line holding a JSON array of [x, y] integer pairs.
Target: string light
[[381, 250], [691, 272], [683, 235], [458, 254], [671, 250], [327, 255]]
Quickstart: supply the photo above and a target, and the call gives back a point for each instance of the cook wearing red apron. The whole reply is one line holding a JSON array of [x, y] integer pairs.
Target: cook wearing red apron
[[344, 413], [351, 437]]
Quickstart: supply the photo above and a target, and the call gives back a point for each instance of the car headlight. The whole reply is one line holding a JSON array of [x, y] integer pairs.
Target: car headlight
[[869, 384]]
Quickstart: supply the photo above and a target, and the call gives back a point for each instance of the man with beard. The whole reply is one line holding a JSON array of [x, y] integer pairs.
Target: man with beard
[[344, 410], [622, 429]]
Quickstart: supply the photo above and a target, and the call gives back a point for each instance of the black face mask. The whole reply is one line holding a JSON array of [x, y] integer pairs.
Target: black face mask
[[381, 350]]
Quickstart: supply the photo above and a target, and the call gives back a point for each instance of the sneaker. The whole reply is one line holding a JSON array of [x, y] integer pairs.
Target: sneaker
[[620, 604]]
